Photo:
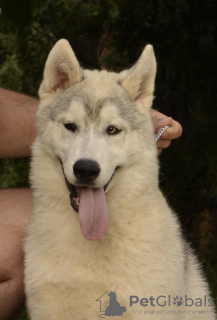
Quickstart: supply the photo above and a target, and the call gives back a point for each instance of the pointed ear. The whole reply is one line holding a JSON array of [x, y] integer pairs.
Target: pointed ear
[[139, 80], [61, 70]]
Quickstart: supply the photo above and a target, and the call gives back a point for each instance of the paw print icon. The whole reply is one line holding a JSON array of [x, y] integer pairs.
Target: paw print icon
[[177, 301]]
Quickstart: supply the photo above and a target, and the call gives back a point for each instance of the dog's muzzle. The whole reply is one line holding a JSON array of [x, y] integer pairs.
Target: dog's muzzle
[[89, 201]]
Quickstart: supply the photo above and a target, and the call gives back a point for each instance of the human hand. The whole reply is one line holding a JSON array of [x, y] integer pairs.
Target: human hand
[[15, 213], [173, 132]]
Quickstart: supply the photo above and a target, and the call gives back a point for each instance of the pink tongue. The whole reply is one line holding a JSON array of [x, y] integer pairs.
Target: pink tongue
[[93, 213]]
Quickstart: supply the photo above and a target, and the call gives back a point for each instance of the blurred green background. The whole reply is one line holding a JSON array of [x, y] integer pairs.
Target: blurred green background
[[112, 34]]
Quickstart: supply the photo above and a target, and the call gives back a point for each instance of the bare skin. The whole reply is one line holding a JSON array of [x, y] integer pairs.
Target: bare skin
[[15, 213], [17, 132], [173, 132], [17, 124]]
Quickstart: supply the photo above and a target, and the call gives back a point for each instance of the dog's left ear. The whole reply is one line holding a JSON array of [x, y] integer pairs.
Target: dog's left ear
[[61, 70], [139, 80]]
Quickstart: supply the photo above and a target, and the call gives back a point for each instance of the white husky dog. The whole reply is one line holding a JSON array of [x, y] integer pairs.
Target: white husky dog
[[101, 227]]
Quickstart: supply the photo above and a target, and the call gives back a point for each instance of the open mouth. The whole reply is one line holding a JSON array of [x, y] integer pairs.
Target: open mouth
[[90, 203], [75, 191]]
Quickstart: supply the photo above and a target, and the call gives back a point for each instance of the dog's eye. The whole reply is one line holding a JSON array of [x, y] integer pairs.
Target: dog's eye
[[70, 126], [113, 130]]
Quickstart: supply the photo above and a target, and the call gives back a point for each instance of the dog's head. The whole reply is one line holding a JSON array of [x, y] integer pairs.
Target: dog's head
[[90, 121]]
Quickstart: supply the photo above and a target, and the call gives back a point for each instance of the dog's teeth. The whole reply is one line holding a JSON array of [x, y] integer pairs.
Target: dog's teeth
[[77, 201]]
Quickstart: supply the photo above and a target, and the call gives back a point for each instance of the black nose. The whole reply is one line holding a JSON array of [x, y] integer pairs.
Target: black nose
[[86, 170]]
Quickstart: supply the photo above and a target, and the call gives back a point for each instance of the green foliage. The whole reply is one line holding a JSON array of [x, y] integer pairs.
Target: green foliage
[[14, 173], [23, 315], [10, 72], [112, 34]]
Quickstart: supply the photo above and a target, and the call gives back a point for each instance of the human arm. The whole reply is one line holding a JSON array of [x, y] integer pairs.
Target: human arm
[[17, 124]]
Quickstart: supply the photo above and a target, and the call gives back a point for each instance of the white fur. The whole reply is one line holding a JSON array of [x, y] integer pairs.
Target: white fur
[[142, 252]]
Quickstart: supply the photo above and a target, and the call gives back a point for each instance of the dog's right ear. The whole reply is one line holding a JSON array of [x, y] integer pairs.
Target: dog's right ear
[[62, 70]]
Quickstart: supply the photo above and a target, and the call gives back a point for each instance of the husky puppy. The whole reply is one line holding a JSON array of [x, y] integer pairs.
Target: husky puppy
[[100, 222]]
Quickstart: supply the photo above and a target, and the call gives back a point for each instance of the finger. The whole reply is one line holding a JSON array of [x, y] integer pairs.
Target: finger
[[177, 129], [163, 144], [173, 132], [159, 150], [159, 123], [157, 114]]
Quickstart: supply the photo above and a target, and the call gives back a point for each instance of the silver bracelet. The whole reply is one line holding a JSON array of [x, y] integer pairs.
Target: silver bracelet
[[161, 132]]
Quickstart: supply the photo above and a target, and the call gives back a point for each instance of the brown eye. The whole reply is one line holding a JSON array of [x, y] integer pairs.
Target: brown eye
[[70, 126], [113, 130]]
